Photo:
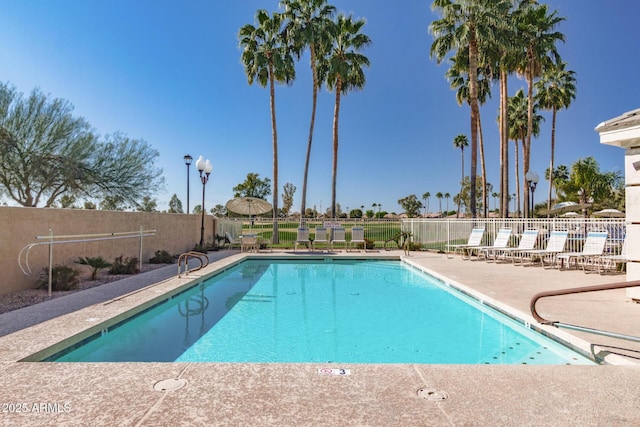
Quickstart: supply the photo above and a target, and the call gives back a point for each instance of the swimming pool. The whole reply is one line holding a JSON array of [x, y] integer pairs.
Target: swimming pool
[[342, 311]]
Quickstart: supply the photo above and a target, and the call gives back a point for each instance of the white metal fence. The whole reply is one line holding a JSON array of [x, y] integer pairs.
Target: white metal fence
[[435, 234]]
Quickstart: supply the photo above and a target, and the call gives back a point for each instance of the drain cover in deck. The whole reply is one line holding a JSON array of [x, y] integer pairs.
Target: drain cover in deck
[[433, 394], [170, 384]]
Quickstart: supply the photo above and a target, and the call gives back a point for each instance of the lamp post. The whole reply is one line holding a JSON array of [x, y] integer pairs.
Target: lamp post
[[532, 179], [187, 161], [205, 167]]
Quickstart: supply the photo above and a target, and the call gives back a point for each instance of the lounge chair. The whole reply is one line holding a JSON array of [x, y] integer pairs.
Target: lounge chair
[[592, 249], [611, 262], [302, 238], [555, 245], [249, 243], [475, 239], [321, 237], [233, 241], [338, 237], [357, 237], [527, 242], [501, 241]]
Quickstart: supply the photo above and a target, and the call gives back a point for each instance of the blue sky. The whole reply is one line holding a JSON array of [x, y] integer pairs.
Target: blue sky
[[169, 72]]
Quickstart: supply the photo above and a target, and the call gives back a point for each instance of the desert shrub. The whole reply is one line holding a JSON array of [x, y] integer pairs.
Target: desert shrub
[[161, 257], [122, 265], [63, 278], [370, 244], [96, 264]]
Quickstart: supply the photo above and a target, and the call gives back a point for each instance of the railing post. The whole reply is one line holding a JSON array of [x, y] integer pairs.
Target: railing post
[[50, 261]]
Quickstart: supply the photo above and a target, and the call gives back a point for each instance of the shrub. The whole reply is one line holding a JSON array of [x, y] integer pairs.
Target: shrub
[[96, 264], [63, 278], [161, 257], [123, 265], [370, 244]]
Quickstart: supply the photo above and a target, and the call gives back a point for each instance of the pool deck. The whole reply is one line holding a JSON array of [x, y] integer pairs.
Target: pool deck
[[296, 394]]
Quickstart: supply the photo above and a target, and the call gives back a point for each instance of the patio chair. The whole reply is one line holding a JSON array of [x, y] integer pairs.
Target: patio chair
[[357, 237], [302, 238], [475, 239], [527, 242], [233, 241], [501, 241], [249, 242], [321, 237], [611, 262], [593, 248], [338, 237], [555, 245]]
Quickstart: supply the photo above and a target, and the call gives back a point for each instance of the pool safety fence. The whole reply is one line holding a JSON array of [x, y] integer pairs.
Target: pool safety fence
[[433, 233]]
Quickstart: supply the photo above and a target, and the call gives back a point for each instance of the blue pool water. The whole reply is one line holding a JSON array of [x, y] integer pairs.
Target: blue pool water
[[336, 311]]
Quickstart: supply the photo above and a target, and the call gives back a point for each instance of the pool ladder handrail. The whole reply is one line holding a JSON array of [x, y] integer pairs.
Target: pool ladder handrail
[[200, 256], [557, 324]]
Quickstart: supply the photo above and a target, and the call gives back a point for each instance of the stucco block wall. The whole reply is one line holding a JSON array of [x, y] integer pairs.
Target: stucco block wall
[[632, 203], [175, 233]]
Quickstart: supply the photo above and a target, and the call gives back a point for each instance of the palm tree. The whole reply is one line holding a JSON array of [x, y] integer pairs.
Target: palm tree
[[536, 34], [555, 91], [465, 26], [439, 197], [518, 122], [425, 197], [343, 69], [460, 142], [446, 197], [267, 59], [306, 29], [495, 201]]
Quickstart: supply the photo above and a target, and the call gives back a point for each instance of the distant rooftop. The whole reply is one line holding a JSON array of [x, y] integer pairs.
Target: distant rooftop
[[622, 131]]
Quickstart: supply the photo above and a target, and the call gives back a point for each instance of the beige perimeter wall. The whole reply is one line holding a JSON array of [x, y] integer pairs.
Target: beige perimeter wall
[[175, 233]]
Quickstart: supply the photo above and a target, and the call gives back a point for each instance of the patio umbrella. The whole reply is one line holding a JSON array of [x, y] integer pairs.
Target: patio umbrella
[[609, 213], [249, 206], [564, 207]]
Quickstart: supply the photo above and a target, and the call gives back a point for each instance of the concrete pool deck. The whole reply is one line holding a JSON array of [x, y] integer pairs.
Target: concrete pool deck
[[295, 394]]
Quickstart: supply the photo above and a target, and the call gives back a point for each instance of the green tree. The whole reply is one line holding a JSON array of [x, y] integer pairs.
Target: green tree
[[518, 122], [219, 211], [439, 197], [67, 201], [197, 209], [253, 186], [89, 205], [287, 198], [113, 203], [411, 205], [460, 142], [308, 20], [465, 25], [267, 59], [175, 205], [587, 184], [446, 197], [48, 152], [425, 197], [343, 69], [148, 205], [555, 91], [538, 39]]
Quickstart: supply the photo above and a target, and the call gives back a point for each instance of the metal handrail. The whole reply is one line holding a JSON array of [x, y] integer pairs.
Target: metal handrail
[[557, 324], [201, 257]]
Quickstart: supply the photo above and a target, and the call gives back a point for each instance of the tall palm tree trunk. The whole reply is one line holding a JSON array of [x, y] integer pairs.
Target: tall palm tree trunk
[[526, 145], [274, 132], [334, 171], [303, 205], [461, 180], [504, 145], [517, 166], [475, 111], [553, 146], [485, 196]]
